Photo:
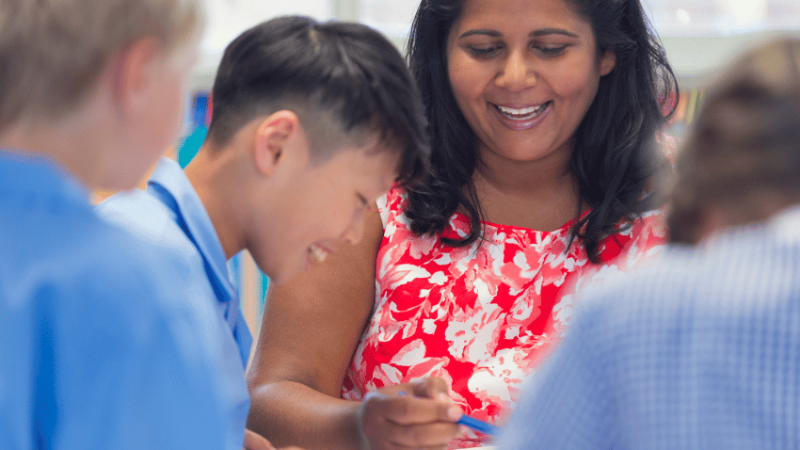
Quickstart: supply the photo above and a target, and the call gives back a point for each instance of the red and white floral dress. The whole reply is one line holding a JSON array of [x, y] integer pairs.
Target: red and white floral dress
[[479, 316]]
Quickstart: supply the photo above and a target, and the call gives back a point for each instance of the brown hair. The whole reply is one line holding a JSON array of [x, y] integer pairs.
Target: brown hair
[[51, 51], [742, 156]]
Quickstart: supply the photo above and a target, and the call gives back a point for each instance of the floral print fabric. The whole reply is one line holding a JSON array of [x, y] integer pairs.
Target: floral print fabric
[[481, 316]]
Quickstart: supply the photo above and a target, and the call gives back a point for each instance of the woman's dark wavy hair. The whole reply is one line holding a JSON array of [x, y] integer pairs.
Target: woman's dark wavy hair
[[615, 155]]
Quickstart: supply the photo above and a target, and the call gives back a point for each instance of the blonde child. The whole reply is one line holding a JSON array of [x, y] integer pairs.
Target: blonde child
[[98, 347]]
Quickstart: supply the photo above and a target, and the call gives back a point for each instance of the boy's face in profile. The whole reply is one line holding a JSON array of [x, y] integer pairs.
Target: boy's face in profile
[[324, 207]]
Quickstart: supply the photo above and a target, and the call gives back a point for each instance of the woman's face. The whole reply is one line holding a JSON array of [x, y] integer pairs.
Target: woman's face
[[524, 73]]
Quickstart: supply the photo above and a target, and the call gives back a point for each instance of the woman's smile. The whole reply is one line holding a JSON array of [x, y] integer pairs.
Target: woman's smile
[[521, 118]]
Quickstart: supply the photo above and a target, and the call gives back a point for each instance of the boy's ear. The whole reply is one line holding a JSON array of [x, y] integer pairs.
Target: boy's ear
[[131, 72], [274, 135]]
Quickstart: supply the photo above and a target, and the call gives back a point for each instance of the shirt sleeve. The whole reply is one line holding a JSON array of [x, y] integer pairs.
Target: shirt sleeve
[[567, 404]]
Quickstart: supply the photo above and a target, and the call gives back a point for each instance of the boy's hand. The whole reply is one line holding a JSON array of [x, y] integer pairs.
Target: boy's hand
[[413, 415]]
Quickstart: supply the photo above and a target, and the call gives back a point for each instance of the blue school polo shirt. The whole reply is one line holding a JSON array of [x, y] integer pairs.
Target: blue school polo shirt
[[98, 346], [170, 214]]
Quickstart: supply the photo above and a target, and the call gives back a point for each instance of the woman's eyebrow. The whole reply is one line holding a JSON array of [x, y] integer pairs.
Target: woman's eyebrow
[[483, 31], [547, 31], [536, 33]]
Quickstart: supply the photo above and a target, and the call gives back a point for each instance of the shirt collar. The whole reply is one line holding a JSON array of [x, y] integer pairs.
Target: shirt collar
[[170, 184], [39, 175]]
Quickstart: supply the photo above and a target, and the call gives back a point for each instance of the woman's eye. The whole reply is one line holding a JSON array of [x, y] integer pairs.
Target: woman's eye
[[483, 52], [551, 51]]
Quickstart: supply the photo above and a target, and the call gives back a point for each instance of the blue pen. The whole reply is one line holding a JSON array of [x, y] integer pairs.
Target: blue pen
[[478, 425], [475, 424]]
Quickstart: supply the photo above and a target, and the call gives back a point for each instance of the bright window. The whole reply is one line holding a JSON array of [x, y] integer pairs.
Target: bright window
[[722, 17], [393, 17], [226, 19]]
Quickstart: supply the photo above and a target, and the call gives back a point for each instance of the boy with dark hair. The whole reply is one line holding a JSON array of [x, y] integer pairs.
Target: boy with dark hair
[[311, 123]]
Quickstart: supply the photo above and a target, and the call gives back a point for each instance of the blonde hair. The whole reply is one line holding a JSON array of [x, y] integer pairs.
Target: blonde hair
[[742, 155], [52, 51]]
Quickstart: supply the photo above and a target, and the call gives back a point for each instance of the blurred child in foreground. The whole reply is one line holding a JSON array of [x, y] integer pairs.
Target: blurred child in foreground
[[98, 347]]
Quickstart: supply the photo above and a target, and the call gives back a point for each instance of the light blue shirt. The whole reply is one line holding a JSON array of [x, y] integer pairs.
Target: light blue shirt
[[700, 352], [170, 214], [98, 347]]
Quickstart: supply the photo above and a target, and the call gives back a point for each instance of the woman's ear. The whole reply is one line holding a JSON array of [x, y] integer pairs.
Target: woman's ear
[[274, 135], [608, 59]]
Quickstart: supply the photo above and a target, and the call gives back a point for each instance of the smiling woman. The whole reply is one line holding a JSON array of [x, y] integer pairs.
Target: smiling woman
[[524, 82], [542, 116], [594, 71]]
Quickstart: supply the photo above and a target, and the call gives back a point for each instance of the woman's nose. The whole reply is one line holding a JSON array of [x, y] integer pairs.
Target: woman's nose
[[516, 73]]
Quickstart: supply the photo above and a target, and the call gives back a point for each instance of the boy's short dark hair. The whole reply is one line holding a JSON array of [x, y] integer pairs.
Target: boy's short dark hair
[[343, 80]]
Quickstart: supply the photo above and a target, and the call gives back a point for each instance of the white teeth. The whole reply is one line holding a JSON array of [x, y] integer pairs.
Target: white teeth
[[517, 112], [521, 114], [318, 254]]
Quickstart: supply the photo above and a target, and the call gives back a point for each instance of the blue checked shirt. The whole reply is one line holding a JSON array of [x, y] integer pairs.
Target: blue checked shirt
[[701, 351]]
